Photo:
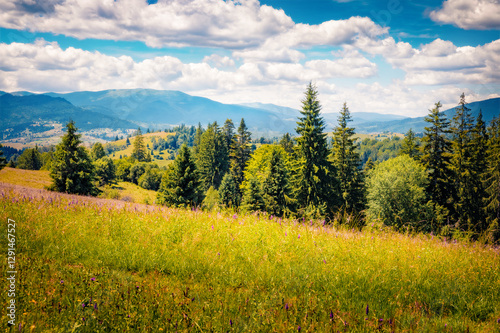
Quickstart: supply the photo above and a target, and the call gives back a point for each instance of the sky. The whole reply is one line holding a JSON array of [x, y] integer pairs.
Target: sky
[[390, 56]]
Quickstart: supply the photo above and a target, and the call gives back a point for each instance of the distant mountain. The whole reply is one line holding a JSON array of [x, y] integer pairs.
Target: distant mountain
[[22, 111], [490, 109]]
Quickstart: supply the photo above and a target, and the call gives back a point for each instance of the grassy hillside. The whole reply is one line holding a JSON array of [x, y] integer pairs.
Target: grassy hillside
[[92, 265], [147, 141], [30, 178]]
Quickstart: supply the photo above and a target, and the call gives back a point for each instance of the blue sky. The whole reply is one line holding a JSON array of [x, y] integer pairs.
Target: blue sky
[[391, 56]]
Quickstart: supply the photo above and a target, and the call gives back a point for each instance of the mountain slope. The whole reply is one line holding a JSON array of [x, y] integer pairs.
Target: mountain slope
[[490, 109], [22, 111]]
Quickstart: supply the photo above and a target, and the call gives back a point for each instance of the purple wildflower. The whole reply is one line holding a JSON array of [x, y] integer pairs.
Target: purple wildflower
[[331, 314], [62, 281], [95, 306], [299, 328], [367, 309], [299, 236], [324, 261], [231, 322], [286, 306], [83, 305], [92, 279]]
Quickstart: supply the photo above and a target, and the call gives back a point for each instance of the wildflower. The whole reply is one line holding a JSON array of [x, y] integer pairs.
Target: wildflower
[[62, 281], [95, 306], [367, 309], [299, 236], [324, 261], [83, 305], [235, 216], [286, 306], [92, 279], [299, 328], [331, 314], [231, 322]]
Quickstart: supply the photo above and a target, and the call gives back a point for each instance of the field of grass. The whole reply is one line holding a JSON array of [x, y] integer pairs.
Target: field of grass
[[92, 265], [129, 192], [36, 179], [147, 140]]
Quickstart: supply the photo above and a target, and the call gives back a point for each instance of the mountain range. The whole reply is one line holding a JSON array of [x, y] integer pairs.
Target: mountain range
[[158, 109]]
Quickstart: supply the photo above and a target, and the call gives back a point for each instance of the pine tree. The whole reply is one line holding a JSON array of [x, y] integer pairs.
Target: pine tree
[[410, 145], [347, 163], [436, 156], [491, 178], [97, 151], [313, 177], [228, 193], [213, 158], [252, 198], [240, 153], [197, 140], [180, 184], [3, 161], [462, 166], [139, 153], [127, 142], [369, 165], [228, 134], [287, 143], [479, 148], [30, 159], [72, 170], [276, 185]]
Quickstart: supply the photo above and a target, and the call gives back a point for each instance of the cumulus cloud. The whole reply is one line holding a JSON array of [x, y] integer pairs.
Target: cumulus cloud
[[469, 14], [229, 24]]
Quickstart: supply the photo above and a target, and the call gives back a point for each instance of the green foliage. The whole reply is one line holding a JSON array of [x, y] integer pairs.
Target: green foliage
[[3, 161], [137, 170], [410, 145], [314, 182], [396, 192], [72, 170], [212, 160], [347, 163], [492, 179], [286, 142], [180, 185], [123, 167], [379, 150], [240, 154], [252, 200], [436, 156], [276, 183], [105, 171], [97, 151], [30, 159], [462, 167], [211, 200], [140, 152], [228, 192], [151, 179]]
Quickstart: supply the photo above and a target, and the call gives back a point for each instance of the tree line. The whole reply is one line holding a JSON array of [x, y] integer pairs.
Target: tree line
[[447, 181]]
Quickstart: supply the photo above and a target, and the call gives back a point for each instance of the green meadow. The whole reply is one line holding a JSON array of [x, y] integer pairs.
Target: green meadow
[[95, 265]]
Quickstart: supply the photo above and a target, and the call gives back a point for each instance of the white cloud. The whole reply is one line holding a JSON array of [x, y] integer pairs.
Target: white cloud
[[469, 14], [352, 64], [229, 24]]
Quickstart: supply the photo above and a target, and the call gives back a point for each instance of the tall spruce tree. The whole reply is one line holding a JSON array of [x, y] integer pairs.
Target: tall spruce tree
[[97, 151], [252, 197], [492, 179], [213, 158], [197, 139], [139, 152], [410, 145], [3, 161], [240, 153], [180, 185], [228, 134], [479, 159], [276, 184], [436, 156], [228, 193], [462, 127], [72, 170], [313, 175], [347, 163]]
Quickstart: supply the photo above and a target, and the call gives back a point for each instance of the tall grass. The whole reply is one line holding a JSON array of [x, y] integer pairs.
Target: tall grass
[[98, 265]]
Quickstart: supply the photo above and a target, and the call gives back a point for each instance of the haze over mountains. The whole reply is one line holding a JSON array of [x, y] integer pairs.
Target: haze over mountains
[[158, 109]]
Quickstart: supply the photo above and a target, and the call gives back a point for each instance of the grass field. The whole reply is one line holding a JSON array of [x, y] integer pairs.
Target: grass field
[[147, 140], [92, 265], [30, 178]]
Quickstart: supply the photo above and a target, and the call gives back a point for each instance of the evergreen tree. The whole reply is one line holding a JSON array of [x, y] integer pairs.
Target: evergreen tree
[[180, 184], [313, 177], [436, 156], [228, 134], [197, 139], [3, 161], [369, 165], [492, 179], [240, 153], [97, 151], [347, 163], [410, 145], [30, 159], [105, 171], [72, 170], [228, 193], [139, 153], [127, 142], [252, 197], [462, 166], [213, 158], [276, 185], [287, 143], [479, 148]]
